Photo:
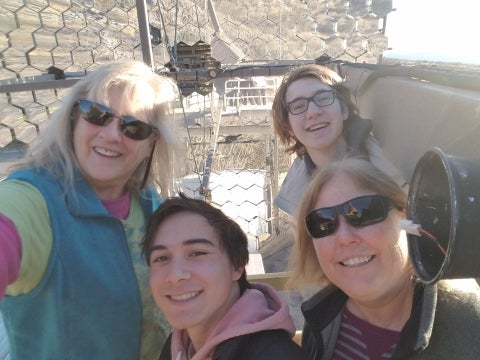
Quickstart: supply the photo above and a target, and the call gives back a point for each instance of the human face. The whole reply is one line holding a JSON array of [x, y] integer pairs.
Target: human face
[[318, 128], [106, 157], [191, 277], [370, 264]]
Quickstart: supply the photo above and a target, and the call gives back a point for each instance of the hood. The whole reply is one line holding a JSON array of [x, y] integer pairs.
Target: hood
[[259, 308]]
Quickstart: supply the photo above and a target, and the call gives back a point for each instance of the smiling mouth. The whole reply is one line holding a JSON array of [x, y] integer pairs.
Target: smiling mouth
[[184, 297], [357, 261], [106, 152], [317, 127]]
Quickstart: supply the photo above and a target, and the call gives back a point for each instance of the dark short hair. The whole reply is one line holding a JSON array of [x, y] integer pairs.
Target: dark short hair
[[232, 238]]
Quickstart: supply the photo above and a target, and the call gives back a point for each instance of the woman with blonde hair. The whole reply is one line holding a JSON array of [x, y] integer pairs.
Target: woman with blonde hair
[[371, 305], [72, 215]]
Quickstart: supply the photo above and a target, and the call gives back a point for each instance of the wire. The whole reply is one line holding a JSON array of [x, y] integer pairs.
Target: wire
[[425, 233], [417, 230]]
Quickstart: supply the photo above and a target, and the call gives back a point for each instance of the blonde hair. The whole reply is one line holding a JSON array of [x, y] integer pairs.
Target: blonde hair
[[304, 265], [53, 148]]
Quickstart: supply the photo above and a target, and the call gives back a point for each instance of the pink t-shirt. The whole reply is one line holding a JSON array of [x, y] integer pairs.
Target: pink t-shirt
[[10, 253]]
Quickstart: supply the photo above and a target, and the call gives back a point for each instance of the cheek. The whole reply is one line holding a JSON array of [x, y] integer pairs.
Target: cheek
[[292, 125], [139, 151], [396, 240], [324, 250], [157, 277], [401, 248]]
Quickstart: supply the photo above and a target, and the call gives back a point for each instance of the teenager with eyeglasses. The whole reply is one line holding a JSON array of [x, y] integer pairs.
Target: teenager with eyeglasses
[[370, 305], [197, 257], [315, 118], [72, 216]]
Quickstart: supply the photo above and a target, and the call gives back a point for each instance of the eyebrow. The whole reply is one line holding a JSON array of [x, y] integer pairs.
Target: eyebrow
[[186, 242], [312, 94]]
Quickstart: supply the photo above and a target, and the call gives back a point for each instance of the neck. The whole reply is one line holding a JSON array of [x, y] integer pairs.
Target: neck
[[390, 312], [200, 334], [323, 157], [108, 193]]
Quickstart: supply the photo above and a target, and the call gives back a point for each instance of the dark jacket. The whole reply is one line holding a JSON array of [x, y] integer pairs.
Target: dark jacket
[[263, 345], [444, 324]]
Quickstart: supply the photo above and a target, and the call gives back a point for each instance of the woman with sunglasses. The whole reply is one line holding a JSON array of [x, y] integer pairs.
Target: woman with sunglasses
[[315, 118], [371, 305], [72, 216]]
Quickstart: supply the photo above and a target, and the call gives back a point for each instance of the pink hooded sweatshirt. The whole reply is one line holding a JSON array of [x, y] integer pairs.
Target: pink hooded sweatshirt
[[259, 308]]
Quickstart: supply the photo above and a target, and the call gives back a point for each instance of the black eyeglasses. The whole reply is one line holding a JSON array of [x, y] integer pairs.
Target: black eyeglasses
[[321, 98], [361, 211], [100, 115]]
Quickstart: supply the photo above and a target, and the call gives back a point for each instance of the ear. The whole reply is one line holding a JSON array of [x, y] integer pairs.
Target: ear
[[237, 273], [345, 112]]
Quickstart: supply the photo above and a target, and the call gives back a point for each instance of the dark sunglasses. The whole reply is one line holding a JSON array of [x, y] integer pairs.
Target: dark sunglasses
[[100, 115], [360, 211]]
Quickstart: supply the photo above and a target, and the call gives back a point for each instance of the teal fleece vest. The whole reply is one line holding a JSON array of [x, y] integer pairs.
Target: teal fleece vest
[[87, 305]]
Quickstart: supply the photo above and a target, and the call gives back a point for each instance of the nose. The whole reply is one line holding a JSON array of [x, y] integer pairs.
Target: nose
[[346, 233], [313, 108], [112, 130], [178, 271]]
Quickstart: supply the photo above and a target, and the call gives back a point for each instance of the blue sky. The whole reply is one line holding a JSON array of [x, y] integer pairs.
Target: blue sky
[[435, 30]]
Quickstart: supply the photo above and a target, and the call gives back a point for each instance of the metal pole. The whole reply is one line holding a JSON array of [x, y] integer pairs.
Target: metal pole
[[144, 29]]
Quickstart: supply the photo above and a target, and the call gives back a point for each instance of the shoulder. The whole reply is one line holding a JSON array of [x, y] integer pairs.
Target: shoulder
[[457, 320], [293, 186], [150, 200], [459, 299], [20, 199], [263, 345], [356, 131], [298, 169]]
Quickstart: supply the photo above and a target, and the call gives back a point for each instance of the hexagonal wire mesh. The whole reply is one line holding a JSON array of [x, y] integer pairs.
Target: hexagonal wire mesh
[[233, 156]]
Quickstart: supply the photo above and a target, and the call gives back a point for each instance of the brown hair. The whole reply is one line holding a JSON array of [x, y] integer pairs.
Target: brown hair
[[232, 238], [281, 122]]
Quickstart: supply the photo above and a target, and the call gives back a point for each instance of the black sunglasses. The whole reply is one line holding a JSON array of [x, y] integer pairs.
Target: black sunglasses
[[100, 115], [360, 211]]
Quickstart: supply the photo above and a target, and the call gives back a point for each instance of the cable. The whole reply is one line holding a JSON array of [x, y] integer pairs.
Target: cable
[[417, 230]]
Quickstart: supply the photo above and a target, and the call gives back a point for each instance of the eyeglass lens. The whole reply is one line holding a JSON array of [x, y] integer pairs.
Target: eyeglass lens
[[321, 98], [101, 115]]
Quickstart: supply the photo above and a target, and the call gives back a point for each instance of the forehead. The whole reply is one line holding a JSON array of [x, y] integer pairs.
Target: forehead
[[304, 87], [177, 229], [340, 188], [126, 104]]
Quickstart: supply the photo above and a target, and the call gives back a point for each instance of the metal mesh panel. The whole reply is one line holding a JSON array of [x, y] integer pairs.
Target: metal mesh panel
[[233, 139]]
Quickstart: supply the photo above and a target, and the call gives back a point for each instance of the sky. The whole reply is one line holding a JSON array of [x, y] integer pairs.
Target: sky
[[442, 30]]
